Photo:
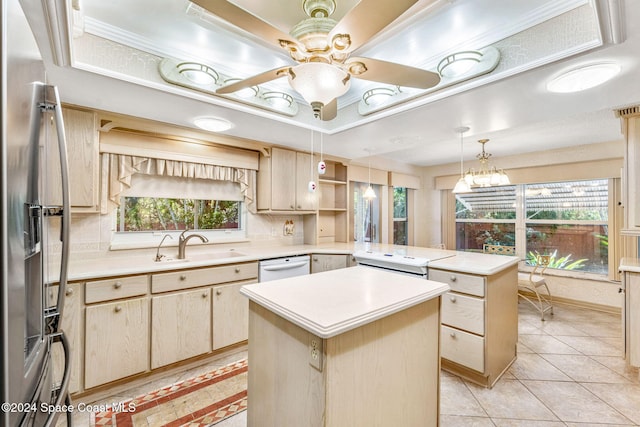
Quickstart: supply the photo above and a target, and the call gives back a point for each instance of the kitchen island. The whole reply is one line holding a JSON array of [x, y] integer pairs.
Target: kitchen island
[[350, 347]]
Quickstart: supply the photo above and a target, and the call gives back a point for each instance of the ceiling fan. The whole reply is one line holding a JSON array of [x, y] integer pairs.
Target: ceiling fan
[[322, 48]]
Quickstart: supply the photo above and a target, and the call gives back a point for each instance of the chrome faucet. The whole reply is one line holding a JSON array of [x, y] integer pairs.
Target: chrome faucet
[[182, 242], [158, 255]]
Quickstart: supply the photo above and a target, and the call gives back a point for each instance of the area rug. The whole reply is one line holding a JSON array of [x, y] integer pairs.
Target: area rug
[[201, 401]]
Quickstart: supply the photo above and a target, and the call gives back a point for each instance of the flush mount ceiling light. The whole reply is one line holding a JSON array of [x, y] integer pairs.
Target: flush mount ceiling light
[[487, 176], [583, 78], [198, 73], [278, 99], [213, 124], [378, 95], [459, 63]]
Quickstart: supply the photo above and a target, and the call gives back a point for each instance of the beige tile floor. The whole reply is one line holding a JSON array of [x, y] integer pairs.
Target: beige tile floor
[[569, 372]]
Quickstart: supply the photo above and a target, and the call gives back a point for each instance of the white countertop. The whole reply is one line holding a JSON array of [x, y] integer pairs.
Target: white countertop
[[330, 303], [630, 264], [475, 263]]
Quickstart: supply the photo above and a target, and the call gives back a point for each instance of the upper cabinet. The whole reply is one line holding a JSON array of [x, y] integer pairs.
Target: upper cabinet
[[283, 182], [631, 177], [83, 159]]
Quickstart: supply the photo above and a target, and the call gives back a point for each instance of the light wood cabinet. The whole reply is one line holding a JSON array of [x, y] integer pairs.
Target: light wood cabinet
[[180, 326], [479, 318], [326, 262], [631, 175], [333, 204], [230, 315], [632, 318], [283, 182], [71, 324], [116, 340], [83, 160]]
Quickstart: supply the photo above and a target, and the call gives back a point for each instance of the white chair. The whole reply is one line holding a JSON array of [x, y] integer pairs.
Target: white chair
[[530, 285]]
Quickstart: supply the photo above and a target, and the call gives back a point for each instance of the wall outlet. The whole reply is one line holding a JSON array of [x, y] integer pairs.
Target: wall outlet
[[316, 351]]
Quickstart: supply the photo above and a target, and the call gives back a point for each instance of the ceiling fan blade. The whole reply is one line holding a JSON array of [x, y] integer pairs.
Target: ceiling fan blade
[[245, 21], [329, 111], [392, 73], [368, 18], [267, 76]]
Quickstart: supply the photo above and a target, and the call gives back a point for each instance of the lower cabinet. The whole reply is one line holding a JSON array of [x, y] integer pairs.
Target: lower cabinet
[[230, 315], [71, 326], [326, 262], [116, 340], [180, 326], [631, 318]]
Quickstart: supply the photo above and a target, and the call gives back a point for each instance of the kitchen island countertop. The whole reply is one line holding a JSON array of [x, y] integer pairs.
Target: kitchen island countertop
[[330, 303]]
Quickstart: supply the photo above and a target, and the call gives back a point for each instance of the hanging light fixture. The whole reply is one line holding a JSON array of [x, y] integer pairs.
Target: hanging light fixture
[[487, 176], [461, 186], [369, 193]]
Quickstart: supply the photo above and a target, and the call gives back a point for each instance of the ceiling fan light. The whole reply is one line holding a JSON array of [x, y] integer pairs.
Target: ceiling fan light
[[459, 63], [583, 78], [198, 73], [319, 82]]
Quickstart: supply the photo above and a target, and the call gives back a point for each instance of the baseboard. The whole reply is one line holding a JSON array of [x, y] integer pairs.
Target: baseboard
[[580, 304]]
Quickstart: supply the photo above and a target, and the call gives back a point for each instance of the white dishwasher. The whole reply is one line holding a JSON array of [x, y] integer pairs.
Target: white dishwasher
[[281, 268]]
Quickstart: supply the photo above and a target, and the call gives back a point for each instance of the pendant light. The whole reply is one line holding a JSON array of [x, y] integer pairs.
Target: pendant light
[[369, 193], [462, 186]]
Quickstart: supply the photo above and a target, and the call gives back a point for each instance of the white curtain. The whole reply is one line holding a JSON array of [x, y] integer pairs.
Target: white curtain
[[123, 167]]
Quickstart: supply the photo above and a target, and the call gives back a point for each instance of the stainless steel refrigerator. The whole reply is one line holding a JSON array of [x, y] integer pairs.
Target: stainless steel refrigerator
[[31, 125]]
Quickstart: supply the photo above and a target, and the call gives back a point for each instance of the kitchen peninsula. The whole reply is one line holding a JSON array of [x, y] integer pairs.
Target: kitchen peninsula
[[355, 346]]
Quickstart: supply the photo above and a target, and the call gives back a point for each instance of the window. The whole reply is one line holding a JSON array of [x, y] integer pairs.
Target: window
[[567, 220], [400, 220], [366, 214], [163, 214]]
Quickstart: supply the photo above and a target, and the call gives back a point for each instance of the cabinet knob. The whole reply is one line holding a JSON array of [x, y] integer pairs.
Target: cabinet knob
[[452, 334], [299, 206], [218, 292], [452, 298], [204, 294], [315, 259], [183, 277], [69, 292], [117, 285], [118, 309], [453, 278], [237, 269], [291, 206]]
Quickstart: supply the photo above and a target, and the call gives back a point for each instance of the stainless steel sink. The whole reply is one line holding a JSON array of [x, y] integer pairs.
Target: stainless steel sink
[[203, 257]]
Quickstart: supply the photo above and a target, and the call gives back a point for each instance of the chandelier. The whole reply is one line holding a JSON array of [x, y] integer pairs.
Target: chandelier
[[486, 176]]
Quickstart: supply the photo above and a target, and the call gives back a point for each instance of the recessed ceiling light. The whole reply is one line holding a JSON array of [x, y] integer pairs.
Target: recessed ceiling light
[[583, 78], [213, 124], [198, 73]]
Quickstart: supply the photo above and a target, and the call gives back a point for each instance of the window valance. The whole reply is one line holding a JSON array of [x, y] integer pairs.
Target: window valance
[[122, 167]]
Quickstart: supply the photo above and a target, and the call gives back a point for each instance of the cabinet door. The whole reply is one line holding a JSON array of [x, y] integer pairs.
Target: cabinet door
[[305, 171], [230, 315], [326, 262], [633, 316], [283, 183], [70, 324], [180, 326], [116, 341], [83, 158]]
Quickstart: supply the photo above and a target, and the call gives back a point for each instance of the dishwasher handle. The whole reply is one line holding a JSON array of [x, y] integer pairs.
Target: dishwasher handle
[[280, 267]]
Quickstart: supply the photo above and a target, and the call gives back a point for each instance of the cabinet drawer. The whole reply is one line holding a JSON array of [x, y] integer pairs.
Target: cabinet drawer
[[465, 283], [462, 348], [165, 282], [463, 312], [110, 289]]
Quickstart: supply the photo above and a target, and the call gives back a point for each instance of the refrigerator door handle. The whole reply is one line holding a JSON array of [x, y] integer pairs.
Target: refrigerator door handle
[[52, 103], [62, 392]]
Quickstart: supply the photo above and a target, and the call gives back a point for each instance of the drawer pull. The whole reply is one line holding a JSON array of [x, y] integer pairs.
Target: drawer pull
[[204, 294], [118, 309], [117, 285], [315, 259], [452, 298], [237, 269], [453, 334], [183, 277], [69, 292], [218, 292], [453, 278]]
